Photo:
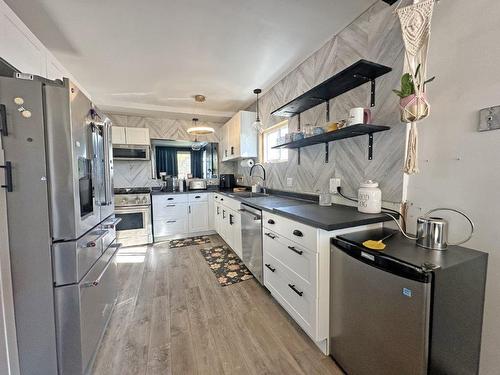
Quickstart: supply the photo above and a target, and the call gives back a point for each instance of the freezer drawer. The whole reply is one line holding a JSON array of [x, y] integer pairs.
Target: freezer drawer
[[379, 321], [82, 312], [73, 259]]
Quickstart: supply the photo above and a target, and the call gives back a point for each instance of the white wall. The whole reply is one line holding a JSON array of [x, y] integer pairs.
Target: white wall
[[460, 167]]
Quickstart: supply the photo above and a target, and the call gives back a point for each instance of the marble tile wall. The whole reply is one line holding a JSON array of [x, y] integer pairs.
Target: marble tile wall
[[375, 36], [139, 173]]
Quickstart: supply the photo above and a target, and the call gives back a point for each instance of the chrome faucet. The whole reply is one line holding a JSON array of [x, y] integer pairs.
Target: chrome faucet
[[263, 178]]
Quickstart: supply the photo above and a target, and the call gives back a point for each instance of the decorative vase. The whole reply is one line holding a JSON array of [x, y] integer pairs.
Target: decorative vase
[[414, 108]]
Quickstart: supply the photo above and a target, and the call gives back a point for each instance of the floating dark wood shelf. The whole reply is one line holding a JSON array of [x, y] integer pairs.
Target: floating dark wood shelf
[[355, 75], [347, 132]]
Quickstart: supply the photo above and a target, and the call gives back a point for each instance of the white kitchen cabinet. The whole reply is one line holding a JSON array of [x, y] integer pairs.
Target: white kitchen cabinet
[[211, 213], [130, 136], [239, 139], [118, 135], [137, 136], [235, 224], [198, 217]]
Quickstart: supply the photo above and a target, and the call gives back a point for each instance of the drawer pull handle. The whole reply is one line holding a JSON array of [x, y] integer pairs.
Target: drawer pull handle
[[218, 213], [97, 281], [270, 235], [292, 287], [300, 252], [271, 221], [231, 222], [197, 197], [297, 233], [221, 199], [270, 268], [170, 205], [170, 199], [171, 221]]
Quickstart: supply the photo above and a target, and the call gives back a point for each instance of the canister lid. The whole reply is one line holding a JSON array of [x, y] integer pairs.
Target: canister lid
[[369, 184]]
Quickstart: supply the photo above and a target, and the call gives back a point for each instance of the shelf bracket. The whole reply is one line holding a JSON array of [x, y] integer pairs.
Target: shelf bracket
[[326, 152], [372, 88], [327, 111], [370, 146], [372, 93]]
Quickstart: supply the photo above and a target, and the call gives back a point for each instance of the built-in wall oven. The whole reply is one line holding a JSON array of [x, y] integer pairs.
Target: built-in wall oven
[[133, 207]]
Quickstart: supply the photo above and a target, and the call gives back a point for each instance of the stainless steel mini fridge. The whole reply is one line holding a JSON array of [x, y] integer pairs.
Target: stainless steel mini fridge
[[405, 310]]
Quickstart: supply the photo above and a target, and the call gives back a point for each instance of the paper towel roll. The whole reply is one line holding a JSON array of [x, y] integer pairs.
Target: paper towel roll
[[247, 163]]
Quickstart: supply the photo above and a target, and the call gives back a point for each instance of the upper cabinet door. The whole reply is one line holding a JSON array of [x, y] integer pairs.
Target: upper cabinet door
[[118, 135], [241, 138], [137, 136]]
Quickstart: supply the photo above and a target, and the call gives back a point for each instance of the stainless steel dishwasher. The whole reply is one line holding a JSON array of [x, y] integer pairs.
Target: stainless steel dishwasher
[[251, 235]]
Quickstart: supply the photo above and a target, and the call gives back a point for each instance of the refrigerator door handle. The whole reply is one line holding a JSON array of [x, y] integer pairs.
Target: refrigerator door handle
[[3, 120], [8, 176]]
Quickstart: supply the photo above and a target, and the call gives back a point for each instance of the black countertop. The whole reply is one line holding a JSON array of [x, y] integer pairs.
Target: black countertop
[[403, 249], [329, 218], [332, 217], [300, 208]]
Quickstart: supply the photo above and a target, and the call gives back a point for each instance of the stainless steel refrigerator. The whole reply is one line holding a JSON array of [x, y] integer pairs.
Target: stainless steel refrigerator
[[405, 310], [58, 175]]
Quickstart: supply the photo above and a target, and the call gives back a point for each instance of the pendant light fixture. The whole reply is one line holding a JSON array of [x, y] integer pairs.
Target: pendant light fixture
[[257, 124], [196, 146]]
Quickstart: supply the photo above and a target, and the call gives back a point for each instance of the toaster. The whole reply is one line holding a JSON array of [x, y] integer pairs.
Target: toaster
[[197, 184]]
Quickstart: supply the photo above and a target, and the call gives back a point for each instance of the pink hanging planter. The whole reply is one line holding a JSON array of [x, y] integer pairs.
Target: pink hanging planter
[[414, 108]]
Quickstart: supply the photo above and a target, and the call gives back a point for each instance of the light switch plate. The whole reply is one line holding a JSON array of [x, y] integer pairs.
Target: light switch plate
[[289, 182], [489, 119], [334, 184]]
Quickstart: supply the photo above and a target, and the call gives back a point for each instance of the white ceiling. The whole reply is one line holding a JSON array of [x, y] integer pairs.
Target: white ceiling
[[135, 56]]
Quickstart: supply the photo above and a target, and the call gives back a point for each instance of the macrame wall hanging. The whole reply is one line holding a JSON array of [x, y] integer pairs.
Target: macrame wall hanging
[[416, 28]]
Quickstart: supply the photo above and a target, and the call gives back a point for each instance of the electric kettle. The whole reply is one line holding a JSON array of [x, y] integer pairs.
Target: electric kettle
[[432, 232]]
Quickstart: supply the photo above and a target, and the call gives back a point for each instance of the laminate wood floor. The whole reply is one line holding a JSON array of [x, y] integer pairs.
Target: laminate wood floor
[[173, 317]]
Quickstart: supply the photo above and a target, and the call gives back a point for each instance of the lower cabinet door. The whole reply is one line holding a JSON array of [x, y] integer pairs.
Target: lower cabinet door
[[235, 224], [198, 217]]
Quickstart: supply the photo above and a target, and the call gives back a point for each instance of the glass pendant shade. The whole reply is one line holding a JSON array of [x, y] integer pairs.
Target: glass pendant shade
[[258, 124]]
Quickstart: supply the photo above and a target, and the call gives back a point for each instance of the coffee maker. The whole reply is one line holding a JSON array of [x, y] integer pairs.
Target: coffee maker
[[227, 181]]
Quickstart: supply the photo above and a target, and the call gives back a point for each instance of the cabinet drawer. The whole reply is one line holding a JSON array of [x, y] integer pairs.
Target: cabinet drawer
[[169, 227], [302, 234], [170, 211], [198, 197], [299, 302], [297, 258], [170, 198]]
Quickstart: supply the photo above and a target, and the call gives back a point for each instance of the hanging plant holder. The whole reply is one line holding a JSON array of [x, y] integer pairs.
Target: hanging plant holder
[[414, 108], [416, 28]]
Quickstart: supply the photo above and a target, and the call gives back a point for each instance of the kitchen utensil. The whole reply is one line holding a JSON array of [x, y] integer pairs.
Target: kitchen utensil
[[369, 197], [359, 115], [432, 232], [377, 245]]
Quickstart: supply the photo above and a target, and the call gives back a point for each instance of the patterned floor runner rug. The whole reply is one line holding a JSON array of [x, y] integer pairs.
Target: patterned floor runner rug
[[190, 241], [225, 264]]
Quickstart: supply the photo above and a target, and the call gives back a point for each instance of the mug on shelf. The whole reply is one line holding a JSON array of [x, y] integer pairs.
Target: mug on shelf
[[359, 115]]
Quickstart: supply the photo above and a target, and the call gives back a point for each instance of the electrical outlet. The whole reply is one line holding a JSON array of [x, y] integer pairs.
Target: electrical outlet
[[334, 184], [289, 182]]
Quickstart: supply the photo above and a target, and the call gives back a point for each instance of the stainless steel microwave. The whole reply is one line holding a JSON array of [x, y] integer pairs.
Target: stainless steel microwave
[[131, 152]]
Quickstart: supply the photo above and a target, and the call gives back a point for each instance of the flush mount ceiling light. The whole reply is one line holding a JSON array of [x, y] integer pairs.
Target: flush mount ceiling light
[[200, 98], [257, 124]]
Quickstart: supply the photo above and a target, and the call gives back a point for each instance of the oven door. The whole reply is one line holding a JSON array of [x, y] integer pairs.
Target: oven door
[[135, 221]]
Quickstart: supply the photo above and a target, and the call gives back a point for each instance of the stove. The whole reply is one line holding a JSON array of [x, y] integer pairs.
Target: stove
[[133, 190], [127, 197], [133, 206]]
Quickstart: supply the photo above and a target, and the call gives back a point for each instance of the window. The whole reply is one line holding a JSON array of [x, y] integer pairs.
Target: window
[[183, 163], [271, 137]]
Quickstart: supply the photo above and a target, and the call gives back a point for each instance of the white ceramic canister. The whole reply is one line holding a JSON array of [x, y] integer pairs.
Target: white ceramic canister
[[369, 197]]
